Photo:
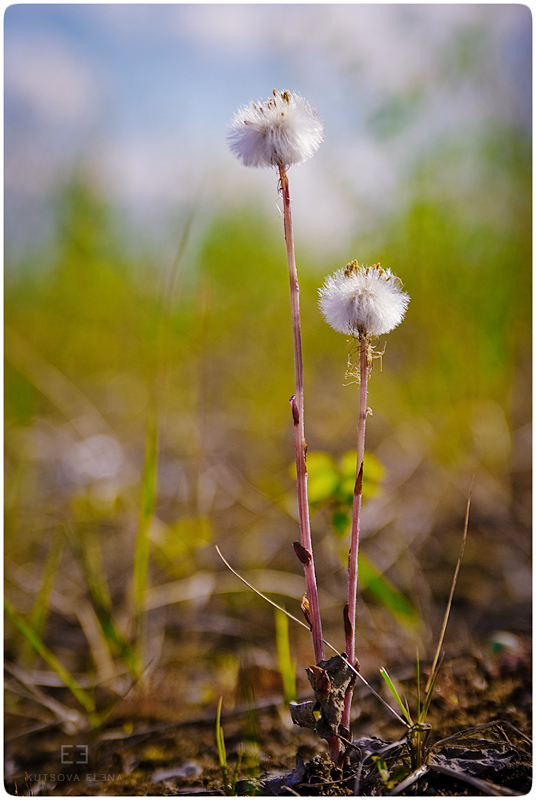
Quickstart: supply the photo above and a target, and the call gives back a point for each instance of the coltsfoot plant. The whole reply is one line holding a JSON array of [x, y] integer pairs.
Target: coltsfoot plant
[[362, 302], [279, 132]]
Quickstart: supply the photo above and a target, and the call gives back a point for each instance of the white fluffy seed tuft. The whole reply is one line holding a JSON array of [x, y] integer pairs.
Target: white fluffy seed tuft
[[278, 132], [363, 300]]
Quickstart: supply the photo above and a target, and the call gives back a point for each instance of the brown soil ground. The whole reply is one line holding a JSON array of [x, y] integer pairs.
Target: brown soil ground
[[139, 752]]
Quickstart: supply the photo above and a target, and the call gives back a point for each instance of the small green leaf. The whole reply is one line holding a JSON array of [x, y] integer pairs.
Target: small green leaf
[[382, 768], [323, 477]]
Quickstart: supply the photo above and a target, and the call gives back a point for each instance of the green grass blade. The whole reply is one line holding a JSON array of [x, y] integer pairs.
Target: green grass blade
[[234, 779], [395, 694], [85, 700], [42, 602], [116, 641], [141, 554], [220, 743], [90, 551], [287, 667], [419, 718], [87, 548], [433, 676]]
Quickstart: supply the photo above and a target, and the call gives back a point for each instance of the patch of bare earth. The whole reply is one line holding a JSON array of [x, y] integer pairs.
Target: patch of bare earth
[[142, 752]]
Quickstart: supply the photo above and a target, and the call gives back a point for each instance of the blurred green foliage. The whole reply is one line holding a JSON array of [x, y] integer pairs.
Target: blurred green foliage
[[463, 250], [333, 482], [176, 549], [287, 667], [95, 338]]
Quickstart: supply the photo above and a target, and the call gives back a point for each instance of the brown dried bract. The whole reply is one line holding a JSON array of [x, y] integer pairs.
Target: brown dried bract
[[331, 680], [305, 610], [303, 554]]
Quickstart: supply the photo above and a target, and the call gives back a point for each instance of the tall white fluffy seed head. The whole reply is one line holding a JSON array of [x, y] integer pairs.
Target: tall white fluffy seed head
[[278, 132], [363, 300]]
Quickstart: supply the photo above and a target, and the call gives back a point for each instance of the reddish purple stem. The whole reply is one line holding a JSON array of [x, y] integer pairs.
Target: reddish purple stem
[[356, 517], [299, 429]]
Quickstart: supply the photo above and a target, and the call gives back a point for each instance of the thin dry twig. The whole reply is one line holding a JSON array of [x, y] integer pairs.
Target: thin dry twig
[[452, 590], [495, 723]]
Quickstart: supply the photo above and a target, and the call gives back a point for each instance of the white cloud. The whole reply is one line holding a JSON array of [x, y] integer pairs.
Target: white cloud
[[232, 28], [45, 76]]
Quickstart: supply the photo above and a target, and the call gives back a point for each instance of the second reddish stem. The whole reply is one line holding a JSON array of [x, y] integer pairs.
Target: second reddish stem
[[364, 366]]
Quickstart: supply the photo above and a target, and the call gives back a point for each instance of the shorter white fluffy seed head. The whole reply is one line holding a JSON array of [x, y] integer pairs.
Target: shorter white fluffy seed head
[[363, 300], [278, 132]]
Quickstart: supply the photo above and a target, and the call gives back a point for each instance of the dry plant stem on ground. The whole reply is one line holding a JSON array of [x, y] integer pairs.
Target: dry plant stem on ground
[[364, 366], [299, 430]]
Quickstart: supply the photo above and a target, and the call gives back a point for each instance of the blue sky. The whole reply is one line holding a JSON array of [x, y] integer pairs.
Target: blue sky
[[142, 95]]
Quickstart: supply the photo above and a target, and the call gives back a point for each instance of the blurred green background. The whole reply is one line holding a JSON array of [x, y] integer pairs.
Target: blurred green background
[[117, 350]]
